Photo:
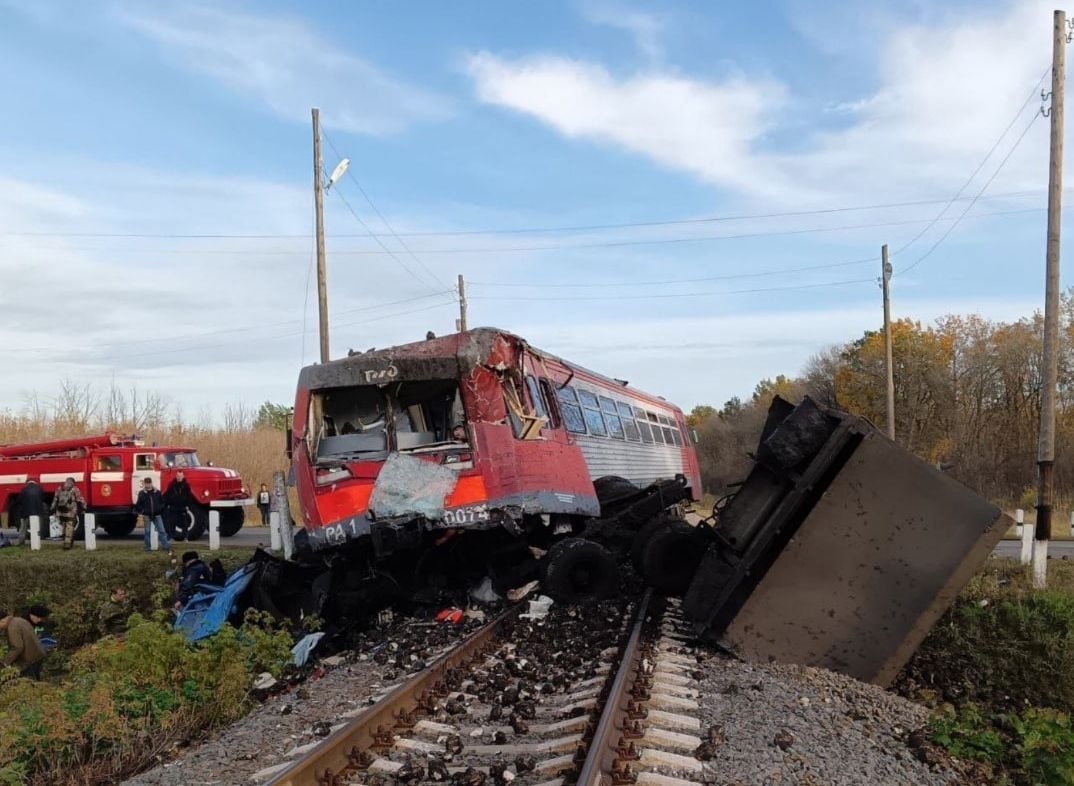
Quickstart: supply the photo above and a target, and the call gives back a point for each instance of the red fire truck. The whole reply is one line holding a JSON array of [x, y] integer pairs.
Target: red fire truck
[[464, 452], [109, 470]]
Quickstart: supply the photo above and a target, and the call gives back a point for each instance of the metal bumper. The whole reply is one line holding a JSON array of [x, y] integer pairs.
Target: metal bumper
[[231, 503]]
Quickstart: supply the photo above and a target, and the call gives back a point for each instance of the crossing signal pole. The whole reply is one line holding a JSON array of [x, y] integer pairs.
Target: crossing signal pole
[[885, 278]]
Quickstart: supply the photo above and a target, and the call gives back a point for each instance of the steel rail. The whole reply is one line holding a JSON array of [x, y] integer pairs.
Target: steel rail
[[606, 762], [346, 750]]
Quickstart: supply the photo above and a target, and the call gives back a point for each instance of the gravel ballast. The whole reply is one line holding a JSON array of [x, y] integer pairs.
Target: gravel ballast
[[269, 735], [810, 727]]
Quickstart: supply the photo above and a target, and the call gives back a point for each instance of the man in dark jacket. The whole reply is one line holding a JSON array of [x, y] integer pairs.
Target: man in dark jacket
[[30, 503], [150, 505], [25, 653], [177, 498], [195, 572]]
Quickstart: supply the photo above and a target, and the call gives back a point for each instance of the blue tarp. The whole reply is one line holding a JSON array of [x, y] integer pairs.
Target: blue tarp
[[210, 608]]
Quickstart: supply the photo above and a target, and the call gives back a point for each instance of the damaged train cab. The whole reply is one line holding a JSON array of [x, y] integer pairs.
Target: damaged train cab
[[444, 461]]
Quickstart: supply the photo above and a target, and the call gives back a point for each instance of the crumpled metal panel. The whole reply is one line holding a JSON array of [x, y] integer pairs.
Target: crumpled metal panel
[[877, 560], [407, 485]]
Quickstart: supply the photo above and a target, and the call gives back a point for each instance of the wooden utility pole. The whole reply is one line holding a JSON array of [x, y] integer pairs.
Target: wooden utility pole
[[318, 201], [885, 277], [462, 303], [1046, 446]]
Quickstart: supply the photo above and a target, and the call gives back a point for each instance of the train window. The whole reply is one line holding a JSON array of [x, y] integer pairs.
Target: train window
[[611, 416], [676, 437], [629, 426], [572, 413], [594, 420], [550, 402], [536, 397], [645, 430], [658, 433]]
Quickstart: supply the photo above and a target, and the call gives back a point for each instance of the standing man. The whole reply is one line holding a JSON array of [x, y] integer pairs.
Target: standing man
[[150, 505], [25, 653], [264, 504], [30, 503], [66, 504], [177, 498]]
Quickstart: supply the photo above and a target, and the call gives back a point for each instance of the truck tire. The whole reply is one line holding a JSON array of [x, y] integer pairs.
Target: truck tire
[[611, 488], [118, 526], [641, 539], [580, 571], [231, 521], [671, 556], [199, 515]]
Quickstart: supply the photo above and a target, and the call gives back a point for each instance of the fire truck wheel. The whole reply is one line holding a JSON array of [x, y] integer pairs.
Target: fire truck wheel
[[580, 571], [670, 558], [200, 521], [641, 539], [231, 521], [118, 526]]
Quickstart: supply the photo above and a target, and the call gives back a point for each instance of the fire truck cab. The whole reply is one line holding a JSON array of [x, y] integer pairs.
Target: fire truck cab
[[109, 470]]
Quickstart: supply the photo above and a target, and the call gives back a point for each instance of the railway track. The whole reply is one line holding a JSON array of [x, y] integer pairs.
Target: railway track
[[595, 696]]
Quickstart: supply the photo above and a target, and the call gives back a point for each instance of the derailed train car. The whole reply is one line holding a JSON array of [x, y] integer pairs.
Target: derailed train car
[[437, 463]]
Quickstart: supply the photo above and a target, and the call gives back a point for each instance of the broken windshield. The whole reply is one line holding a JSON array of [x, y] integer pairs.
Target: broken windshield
[[368, 421]]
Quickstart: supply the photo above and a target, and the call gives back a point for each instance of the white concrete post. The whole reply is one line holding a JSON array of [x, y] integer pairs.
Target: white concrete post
[[89, 529], [275, 543], [154, 538], [214, 530], [35, 533], [1028, 531], [1019, 518], [1040, 564]]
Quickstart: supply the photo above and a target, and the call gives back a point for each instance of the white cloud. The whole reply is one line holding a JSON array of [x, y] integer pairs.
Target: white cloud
[[945, 92], [645, 28], [704, 128], [286, 64]]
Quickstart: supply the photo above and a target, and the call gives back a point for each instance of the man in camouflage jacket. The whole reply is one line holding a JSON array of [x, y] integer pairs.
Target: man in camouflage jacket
[[66, 504]]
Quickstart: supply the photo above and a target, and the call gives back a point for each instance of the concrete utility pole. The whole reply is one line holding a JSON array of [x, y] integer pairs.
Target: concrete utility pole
[[885, 277], [1046, 446], [318, 200], [462, 304]]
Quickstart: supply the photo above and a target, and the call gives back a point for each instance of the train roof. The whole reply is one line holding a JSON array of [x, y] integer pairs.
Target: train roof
[[442, 357]]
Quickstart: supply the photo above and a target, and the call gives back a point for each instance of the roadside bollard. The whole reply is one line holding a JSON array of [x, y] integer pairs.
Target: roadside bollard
[[214, 530], [154, 538], [275, 543], [35, 533], [1028, 531], [89, 529], [1019, 518]]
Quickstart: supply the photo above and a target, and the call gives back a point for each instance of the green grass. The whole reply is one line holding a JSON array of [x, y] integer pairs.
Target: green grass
[[74, 584]]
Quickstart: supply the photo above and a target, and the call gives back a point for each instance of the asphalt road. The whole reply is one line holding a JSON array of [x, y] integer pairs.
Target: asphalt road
[[259, 536], [247, 536]]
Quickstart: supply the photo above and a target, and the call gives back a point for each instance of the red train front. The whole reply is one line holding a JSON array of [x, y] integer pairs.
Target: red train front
[[475, 432]]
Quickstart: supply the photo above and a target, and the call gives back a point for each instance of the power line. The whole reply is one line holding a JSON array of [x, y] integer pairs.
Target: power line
[[513, 230], [350, 173], [702, 279], [980, 166], [173, 350], [558, 247], [685, 294], [380, 243], [988, 182], [243, 329]]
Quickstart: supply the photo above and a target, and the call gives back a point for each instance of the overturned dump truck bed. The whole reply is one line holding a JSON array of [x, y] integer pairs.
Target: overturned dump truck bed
[[840, 549]]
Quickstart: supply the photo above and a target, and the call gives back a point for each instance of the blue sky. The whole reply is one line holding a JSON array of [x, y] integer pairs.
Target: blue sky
[[144, 143]]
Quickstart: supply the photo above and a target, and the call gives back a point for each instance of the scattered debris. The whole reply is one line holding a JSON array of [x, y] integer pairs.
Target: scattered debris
[[300, 653]]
